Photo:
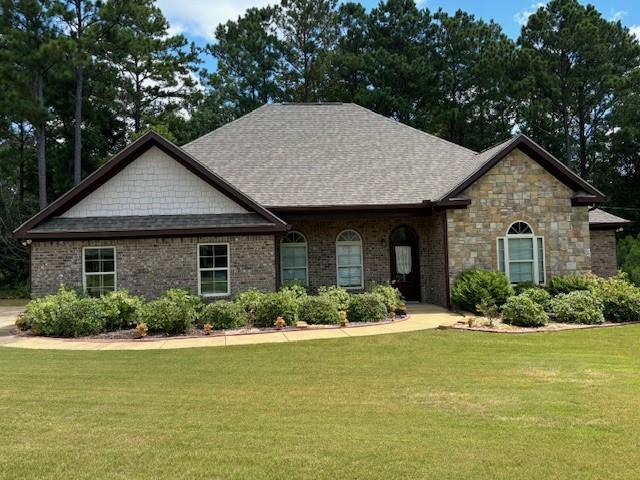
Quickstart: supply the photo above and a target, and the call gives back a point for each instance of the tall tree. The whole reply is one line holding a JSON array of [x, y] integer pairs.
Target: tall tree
[[475, 62], [309, 29], [575, 66], [29, 46], [155, 68], [402, 71], [81, 18], [248, 54]]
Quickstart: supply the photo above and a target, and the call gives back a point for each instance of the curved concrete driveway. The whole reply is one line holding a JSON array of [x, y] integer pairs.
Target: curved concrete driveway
[[422, 317]]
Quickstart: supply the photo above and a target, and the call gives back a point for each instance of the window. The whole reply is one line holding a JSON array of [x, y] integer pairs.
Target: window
[[349, 259], [213, 269], [98, 270], [293, 258], [521, 254]]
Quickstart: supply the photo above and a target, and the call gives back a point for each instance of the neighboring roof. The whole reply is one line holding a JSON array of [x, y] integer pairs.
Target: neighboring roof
[[135, 226], [341, 154], [599, 219], [125, 157]]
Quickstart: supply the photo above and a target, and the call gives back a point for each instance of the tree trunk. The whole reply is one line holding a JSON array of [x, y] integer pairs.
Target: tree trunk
[[40, 143], [567, 136], [77, 147], [21, 165]]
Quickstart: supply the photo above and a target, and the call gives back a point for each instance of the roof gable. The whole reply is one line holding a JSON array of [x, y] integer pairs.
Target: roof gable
[[128, 155], [586, 194]]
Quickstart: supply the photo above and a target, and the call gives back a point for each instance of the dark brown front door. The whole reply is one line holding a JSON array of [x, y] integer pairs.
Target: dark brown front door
[[405, 263]]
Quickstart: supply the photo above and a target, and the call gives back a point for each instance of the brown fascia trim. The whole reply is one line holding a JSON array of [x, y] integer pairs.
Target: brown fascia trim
[[124, 158], [540, 155], [586, 200], [163, 233], [609, 226], [349, 208], [453, 203]]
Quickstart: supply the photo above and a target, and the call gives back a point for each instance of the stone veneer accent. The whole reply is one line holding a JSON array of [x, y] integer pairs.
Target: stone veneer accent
[[154, 184], [150, 266], [603, 253], [321, 251], [518, 188]]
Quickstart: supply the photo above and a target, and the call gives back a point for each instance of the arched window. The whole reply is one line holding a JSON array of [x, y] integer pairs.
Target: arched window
[[521, 254], [349, 259], [293, 258]]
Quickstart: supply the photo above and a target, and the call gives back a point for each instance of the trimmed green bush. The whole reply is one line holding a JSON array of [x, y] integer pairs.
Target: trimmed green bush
[[620, 299], [64, 314], [472, 287], [120, 309], [296, 288], [223, 315], [522, 311], [366, 307], [274, 305], [190, 302], [338, 295], [521, 287], [579, 306], [249, 301], [571, 283], [167, 316], [539, 296], [319, 310], [391, 296]]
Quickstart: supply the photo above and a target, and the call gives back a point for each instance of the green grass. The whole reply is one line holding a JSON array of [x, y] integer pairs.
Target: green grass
[[432, 404]]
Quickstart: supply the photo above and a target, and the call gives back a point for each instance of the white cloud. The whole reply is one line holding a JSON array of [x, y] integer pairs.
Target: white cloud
[[523, 15], [200, 18], [617, 15], [635, 30]]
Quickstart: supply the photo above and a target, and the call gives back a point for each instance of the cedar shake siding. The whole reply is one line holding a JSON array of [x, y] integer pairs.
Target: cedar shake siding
[[150, 266], [321, 251]]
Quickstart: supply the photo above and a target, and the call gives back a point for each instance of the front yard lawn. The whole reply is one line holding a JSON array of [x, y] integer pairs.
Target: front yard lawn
[[430, 404]]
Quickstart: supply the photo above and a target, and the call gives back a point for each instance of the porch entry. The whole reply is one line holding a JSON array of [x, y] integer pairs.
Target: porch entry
[[405, 262]]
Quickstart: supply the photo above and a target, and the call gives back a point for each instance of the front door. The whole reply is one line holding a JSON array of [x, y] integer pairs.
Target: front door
[[405, 263]]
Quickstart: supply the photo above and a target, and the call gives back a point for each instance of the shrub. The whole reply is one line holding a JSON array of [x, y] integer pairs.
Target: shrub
[[319, 310], [489, 311], [64, 314], [391, 296], [521, 287], [539, 296], [166, 316], [191, 303], [571, 283], [522, 311], [367, 307], [620, 299], [120, 309], [474, 286], [296, 288], [274, 305], [141, 330], [629, 257], [223, 315], [249, 301], [578, 307], [338, 295]]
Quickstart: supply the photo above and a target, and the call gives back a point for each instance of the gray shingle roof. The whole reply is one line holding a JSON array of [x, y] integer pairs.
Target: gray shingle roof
[[150, 222], [331, 154], [600, 217]]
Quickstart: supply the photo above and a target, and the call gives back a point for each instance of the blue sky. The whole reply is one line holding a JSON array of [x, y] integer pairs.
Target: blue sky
[[197, 19]]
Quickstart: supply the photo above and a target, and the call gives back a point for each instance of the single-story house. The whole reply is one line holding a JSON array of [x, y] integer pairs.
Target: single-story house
[[326, 194]]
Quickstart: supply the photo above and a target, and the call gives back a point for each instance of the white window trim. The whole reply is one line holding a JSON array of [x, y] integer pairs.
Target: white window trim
[[306, 258], [213, 269], [85, 273], [534, 238], [350, 243]]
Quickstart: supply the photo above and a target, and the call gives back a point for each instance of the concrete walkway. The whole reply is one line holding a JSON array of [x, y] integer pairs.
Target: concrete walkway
[[422, 317]]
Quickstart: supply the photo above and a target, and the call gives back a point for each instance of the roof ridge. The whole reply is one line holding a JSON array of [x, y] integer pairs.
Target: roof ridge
[[497, 144], [396, 122]]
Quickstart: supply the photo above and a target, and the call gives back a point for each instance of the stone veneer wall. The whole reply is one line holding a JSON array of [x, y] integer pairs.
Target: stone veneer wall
[[518, 188], [321, 245], [603, 253], [150, 266]]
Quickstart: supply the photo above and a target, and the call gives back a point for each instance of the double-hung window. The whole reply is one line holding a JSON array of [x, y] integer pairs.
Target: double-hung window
[[521, 254], [349, 259], [213, 269], [98, 270], [293, 258]]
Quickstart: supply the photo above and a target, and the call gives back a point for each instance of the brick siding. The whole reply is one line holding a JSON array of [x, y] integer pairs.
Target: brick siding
[[603, 253]]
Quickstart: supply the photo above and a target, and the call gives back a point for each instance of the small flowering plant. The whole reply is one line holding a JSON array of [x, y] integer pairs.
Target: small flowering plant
[[279, 323]]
